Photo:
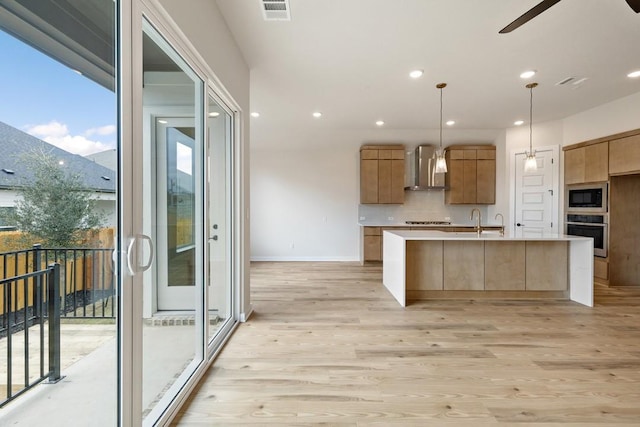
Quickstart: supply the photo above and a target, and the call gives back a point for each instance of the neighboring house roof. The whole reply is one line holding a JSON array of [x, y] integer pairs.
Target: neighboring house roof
[[14, 143]]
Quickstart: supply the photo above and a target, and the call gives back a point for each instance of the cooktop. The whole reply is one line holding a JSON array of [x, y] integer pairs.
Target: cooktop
[[428, 222]]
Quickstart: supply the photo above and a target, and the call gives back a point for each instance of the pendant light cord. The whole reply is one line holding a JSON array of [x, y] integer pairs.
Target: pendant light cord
[[531, 121], [441, 120]]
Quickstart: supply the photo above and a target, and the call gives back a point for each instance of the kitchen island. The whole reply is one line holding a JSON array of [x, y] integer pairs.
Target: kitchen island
[[434, 264]]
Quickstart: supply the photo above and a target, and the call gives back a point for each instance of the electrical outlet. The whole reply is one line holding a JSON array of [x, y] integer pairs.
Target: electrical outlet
[[362, 218], [390, 218], [292, 245]]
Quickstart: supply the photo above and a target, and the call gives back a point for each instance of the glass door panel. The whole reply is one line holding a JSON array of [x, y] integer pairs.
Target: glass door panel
[[220, 137], [172, 197], [59, 127]]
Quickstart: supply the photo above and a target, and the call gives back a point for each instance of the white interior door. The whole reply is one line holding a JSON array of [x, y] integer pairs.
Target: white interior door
[[536, 193]]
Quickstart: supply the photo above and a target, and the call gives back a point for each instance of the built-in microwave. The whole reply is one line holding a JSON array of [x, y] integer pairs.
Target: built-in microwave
[[587, 198]]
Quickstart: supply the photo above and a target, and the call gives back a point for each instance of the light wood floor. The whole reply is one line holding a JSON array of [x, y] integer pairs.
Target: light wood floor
[[327, 345]]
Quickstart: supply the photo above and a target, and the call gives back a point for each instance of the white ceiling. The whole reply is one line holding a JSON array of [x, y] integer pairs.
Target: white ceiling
[[350, 59]]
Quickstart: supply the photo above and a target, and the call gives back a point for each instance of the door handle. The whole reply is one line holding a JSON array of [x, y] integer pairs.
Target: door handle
[[519, 225], [152, 254], [215, 237], [135, 267], [130, 267]]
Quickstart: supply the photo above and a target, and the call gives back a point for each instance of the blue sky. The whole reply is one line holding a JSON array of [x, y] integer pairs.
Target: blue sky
[[52, 102]]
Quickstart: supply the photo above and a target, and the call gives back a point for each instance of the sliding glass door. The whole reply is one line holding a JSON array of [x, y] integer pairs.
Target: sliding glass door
[[171, 246]]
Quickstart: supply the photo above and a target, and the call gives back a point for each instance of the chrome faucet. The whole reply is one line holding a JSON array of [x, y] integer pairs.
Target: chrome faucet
[[501, 223], [478, 224]]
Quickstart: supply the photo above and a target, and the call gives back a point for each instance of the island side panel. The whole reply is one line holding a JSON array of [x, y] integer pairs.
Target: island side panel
[[504, 263], [424, 265], [581, 271], [547, 266], [463, 265], [394, 266]]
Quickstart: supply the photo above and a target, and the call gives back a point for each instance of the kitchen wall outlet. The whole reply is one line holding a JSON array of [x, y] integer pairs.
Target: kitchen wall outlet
[[362, 218], [390, 218]]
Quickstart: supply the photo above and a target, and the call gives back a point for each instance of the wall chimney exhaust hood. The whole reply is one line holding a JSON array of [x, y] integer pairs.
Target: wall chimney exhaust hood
[[421, 174]]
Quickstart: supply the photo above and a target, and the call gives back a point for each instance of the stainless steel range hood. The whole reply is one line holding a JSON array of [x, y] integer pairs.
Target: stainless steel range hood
[[421, 174]]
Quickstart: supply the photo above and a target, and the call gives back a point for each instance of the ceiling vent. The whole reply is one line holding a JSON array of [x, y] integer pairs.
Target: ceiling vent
[[276, 10], [565, 81], [572, 82]]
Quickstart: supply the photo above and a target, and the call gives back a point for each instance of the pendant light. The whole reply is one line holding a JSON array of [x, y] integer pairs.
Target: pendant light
[[441, 163], [530, 163]]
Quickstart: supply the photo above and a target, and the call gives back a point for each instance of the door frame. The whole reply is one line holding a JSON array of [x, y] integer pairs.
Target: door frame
[[555, 212]]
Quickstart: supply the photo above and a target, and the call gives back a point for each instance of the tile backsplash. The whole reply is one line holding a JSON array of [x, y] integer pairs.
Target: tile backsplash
[[418, 206]]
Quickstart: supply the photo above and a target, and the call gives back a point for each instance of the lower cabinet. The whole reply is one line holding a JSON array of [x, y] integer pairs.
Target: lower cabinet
[[372, 244], [504, 266], [463, 265], [452, 265]]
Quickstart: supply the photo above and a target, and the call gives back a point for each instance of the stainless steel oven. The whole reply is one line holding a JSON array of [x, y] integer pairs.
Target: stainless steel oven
[[590, 225], [590, 198]]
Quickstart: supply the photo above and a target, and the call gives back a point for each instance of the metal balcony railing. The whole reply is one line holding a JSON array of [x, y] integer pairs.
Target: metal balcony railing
[[25, 329]]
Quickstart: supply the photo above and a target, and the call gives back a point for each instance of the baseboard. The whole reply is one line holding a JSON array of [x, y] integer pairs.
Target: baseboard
[[303, 259], [245, 316]]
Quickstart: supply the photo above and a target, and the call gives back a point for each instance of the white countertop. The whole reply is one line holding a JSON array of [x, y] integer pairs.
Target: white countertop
[[520, 235], [426, 226]]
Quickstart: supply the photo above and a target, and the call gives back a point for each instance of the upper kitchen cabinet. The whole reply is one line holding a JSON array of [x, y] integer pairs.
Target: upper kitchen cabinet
[[471, 176], [624, 155], [586, 163], [382, 174]]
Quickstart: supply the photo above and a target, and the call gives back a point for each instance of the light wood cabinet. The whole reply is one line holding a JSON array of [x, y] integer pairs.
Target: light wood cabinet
[[624, 155], [372, 244], [471, 176], [589, 163], [504, 266], [547, 266], [424, 265], [373, 241], [382, 174], [463, 265]]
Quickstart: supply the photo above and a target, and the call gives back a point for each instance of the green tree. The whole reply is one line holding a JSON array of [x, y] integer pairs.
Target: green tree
[[54, 206]]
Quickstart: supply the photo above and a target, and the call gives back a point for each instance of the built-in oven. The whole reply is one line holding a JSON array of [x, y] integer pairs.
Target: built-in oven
[[587, 198], [590, 225]]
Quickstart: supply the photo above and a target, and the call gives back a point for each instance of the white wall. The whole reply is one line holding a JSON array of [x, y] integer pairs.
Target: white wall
[[614, 117], [304, 204], [305, 189]]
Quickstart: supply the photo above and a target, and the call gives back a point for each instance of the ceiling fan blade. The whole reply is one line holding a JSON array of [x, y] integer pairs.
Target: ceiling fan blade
[[635, 5], [530, 14]]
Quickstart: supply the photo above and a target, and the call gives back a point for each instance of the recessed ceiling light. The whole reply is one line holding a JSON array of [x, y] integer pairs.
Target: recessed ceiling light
[[518, 122], [61, 162], [634, 74], [528, 74], [317, 114], [164, 122], [214, 114], [255, 114], [451, 122], [379, 123], [416, 74]]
